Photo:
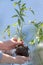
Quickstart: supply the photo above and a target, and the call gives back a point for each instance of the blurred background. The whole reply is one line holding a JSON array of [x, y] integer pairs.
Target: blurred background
[[7, 11]]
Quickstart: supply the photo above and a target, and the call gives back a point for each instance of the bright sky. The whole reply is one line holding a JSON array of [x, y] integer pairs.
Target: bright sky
[[7, 10]]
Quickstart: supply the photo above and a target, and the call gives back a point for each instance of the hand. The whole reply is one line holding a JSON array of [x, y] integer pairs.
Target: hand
[[18, 59], [15, 42], [21, 59], [10, 44]]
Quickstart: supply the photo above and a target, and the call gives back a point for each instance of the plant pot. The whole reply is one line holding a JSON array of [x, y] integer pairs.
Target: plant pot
[[37, 55], [22, 51]]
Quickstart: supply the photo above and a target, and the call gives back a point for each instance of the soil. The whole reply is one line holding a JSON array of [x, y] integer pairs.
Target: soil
[[22, 51]]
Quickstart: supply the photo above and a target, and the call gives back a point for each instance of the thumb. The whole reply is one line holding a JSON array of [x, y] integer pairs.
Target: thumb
[[21, 43], [14, 39]]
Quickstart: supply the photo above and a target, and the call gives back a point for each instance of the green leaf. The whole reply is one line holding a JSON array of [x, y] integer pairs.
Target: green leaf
[[17, 11], [31, 10], [14, 16], [32, 42], [22, 14], [35, 24], [15, 24], [41, 24], [22, 18], [7, 30], [40, 31], [15, 3], [19, 22], [41, 38], [19, 1], [23, 5], [23, 8], [17, 30]]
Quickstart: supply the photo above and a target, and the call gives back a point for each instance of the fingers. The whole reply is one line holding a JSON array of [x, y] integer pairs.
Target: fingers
[[14, 39], [18, 42], [22, 59], [25, 58]]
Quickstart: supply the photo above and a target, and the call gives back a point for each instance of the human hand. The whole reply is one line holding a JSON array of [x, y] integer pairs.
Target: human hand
[[18, 59], [11, 44], [21, 59], [16, 42]]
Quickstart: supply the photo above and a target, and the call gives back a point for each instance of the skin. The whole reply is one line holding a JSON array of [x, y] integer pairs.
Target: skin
[[8, 45]]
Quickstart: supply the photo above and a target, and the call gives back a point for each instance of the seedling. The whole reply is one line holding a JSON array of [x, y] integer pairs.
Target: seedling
[[20, 13]]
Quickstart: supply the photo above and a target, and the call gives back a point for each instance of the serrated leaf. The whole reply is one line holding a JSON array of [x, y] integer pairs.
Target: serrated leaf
[[19, 22], [14, 16]]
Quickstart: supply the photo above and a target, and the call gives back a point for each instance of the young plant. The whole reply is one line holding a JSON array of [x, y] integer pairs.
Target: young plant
[[20, 50], [20, 18], [20, 14]]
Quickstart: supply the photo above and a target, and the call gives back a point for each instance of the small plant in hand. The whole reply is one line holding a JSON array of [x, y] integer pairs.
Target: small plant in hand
[[20, 49], [20, 14]]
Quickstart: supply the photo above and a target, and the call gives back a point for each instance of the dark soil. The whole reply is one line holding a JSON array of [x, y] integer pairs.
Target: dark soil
[[22, 51]]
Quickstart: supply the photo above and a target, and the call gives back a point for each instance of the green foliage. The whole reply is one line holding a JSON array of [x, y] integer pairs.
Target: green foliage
[[14, 24], [17, 11], [20, 14], [14, 16], [31, 10], [32, 42], [39, 33], [7, 30], [19, 22]]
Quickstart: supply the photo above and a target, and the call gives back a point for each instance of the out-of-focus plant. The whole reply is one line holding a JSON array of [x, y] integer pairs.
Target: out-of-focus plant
[[39, 32]]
